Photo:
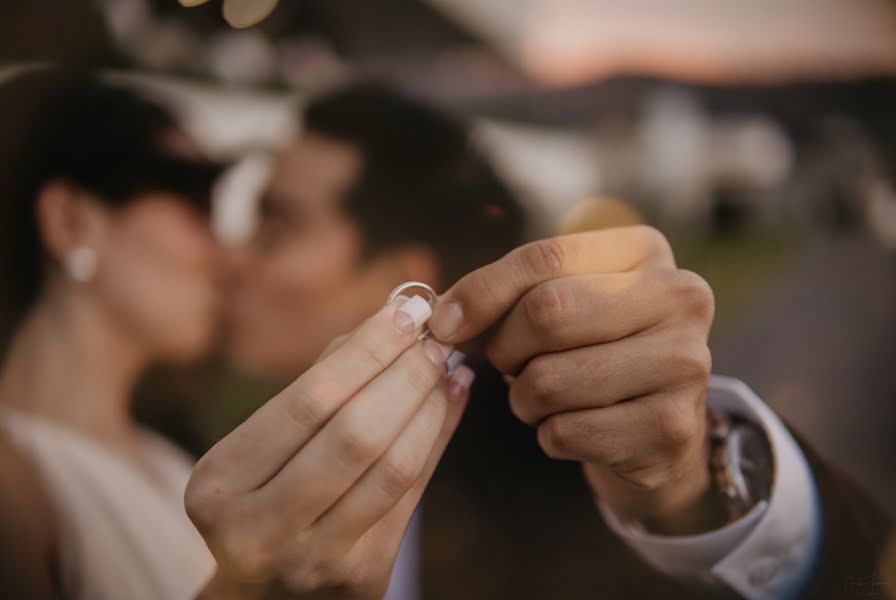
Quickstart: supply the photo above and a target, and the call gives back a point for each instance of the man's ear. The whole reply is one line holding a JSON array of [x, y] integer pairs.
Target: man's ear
[[67, 218]]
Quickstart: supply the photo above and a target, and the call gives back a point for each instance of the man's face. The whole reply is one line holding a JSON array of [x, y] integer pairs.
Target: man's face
[[300, 282]]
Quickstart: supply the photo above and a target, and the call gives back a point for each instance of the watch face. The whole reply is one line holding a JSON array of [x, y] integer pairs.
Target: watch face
[[753, 460]]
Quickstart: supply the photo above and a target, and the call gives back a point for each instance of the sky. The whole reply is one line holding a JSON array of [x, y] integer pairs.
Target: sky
[[565, 42]]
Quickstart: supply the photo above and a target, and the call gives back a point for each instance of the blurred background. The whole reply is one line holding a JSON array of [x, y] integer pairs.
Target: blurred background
[[760, 136]]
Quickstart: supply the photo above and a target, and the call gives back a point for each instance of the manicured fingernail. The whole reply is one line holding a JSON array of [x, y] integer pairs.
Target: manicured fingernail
[[412, 314], [460, 382], [455, 360], [447, 350], [437, 353], [446, 320]]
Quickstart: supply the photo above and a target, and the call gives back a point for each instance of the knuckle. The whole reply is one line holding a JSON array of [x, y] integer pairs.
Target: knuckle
[[545, 258], [375, 354], [307, 580], [520, 406], [649, 478], [552, 437], [356, 444], [690, 361], [244, 555], [677, 426], [203, 497], [548, 307], [526, 405], [654, 241], [396, 476], [544, 381], [694, 295], [338, 577], [698, 362], [331, 573], [422, 374], [480, 284], [307, 410], [364, 580], [612, 451], [334, 345]]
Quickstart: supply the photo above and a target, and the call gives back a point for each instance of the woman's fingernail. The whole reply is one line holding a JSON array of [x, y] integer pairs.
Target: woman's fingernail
[[447, 350], [461, 380], [437, 353], [455, 360], [446, 320], [412, 314]]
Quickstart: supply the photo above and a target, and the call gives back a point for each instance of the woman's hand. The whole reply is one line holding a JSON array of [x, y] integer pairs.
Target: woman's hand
[[310, 497]]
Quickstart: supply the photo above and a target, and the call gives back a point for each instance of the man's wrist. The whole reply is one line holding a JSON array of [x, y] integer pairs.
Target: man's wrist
[[687, 505], [769, 552]]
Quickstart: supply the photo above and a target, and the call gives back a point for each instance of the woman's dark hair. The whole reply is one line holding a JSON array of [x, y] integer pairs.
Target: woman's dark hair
[[108, 140], [422, 180]]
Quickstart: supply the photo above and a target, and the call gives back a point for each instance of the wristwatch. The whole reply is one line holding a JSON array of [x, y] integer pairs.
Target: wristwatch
[[741, 462]]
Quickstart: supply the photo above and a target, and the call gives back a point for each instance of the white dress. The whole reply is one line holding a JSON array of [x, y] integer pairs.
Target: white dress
[[125, 535]]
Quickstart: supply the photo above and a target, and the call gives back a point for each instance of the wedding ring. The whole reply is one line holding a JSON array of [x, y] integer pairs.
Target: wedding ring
[[429, 295]]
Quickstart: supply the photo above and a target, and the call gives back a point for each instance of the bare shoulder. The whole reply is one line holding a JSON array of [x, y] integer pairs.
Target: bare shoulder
[[28, 533]]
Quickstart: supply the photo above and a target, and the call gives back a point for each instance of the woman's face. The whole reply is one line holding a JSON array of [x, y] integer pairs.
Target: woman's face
[[156, 275]]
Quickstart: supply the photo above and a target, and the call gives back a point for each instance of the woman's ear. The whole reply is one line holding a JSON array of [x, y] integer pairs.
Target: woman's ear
[[70, 222]]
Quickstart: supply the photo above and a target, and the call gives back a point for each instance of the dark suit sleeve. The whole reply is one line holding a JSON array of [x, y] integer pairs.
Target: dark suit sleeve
[[855, 531]]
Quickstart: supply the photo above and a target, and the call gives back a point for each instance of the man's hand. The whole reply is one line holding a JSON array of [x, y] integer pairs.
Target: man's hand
[[310, 497], [604, 340]]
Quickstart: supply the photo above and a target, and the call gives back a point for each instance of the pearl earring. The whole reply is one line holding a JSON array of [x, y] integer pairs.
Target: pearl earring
[[81, 264]]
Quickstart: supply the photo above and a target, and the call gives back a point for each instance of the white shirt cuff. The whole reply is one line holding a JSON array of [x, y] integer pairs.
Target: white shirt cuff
[[769, 553]]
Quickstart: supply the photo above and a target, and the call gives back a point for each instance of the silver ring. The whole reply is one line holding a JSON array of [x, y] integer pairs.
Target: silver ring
[[431, 295]]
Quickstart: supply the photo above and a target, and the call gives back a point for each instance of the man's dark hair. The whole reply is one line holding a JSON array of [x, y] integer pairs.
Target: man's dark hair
[[422, 180], [64, 125]]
